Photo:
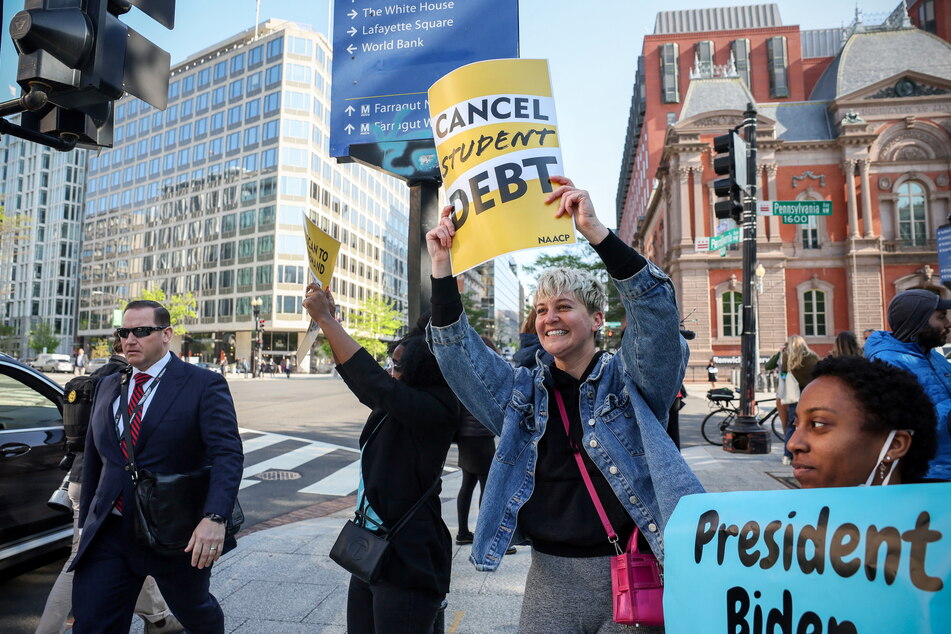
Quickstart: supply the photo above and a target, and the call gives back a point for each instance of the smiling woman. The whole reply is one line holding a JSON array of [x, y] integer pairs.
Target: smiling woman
[[857, 421]]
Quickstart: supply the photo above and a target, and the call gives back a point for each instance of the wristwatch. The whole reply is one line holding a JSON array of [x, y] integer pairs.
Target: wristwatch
[[214, 517]]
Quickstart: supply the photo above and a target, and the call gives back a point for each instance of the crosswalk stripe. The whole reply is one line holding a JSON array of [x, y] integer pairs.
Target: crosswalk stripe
[[341, 482], [285, 461], [262, 441]]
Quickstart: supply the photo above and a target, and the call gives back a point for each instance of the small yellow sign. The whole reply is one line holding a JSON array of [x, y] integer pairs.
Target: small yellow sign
[[322, 252], [72, 397], [497, 140]]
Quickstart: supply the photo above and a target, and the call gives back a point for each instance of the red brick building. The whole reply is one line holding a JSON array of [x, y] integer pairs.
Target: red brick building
[[859, 116]]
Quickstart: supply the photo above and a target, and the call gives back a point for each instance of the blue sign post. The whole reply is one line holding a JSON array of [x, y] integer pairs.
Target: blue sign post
[[387, 53]]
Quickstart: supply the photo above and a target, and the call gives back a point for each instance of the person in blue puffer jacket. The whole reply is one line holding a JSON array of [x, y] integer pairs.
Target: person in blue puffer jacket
[[920, 323]]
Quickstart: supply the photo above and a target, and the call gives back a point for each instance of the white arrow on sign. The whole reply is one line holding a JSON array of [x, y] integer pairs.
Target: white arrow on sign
[[352, 31], [352, 14], [349, 110], [349, 128], [351, 49]]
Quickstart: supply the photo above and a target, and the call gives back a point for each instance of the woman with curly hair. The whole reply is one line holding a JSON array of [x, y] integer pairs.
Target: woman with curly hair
[[862, 422]]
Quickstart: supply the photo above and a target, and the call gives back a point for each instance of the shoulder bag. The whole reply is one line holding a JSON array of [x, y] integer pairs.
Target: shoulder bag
[[363, 552], [636, 580], [167, 507]]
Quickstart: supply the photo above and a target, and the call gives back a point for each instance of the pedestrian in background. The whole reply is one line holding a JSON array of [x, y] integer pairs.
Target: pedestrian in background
[[528, 344], [795, 362], [79, 366], [920, 326], [607, 409], [846, 345], [476, 448], [403, 446], [712, 371]]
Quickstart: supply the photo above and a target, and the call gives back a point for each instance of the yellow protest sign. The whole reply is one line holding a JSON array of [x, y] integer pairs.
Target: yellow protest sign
[[322, 252], [497, 140]]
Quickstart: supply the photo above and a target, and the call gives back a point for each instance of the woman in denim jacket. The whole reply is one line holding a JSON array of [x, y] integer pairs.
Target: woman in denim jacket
[[617, 409]]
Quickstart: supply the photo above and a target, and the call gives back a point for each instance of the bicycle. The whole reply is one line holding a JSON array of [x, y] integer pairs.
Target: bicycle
[[725, 413]]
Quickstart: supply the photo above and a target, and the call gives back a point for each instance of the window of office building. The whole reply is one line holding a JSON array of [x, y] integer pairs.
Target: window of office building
[[234, 116], [253, 83], [703, 58], [256, 56], [188, 84], [221, 70], [237, 63], [299, 46], [731, 312], [236, 89], [814, 313], [272, 76], [246, 248], [218, 97], [263, 276], [265, 245], [298, 73], [252, 109], [776, 56], [275, 48], [669, 73], [204, 77], [272, 103]]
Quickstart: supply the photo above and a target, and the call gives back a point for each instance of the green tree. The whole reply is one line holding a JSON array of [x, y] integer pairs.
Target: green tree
[[101, 348], [180, 307], [374, 320], [42, 338], [475, 313], [582, 256]]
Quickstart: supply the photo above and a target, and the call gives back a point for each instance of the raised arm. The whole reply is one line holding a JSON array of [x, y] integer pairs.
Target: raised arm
[[652, 351]]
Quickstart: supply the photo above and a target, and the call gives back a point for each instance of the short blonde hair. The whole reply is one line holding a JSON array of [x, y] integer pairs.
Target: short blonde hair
[[580, 284]]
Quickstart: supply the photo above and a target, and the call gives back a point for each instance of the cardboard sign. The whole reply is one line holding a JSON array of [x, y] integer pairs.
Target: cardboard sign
[[497, 139], [833, 561], [322, 252]]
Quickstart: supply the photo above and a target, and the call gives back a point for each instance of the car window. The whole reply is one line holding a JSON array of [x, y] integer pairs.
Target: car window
[[22, 407]]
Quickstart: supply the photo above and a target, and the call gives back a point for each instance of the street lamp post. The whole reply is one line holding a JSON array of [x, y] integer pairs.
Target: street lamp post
[[760, 274], [256, 311]]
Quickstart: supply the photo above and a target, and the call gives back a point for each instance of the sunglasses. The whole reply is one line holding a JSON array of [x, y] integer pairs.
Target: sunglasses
[[138, 331], [393, 365]]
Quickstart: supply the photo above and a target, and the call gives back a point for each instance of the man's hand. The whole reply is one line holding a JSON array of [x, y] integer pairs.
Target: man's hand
[[206, 543], [577, 204], [438, 243]]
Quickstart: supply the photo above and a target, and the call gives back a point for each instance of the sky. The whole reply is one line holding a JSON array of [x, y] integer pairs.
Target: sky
[[592, 50]]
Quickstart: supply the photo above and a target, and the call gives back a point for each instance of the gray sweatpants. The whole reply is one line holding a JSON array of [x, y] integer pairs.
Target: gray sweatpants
[[571, 595]]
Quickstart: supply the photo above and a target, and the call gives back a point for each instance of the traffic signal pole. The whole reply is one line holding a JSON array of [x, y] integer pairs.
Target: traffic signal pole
[[746, 435]]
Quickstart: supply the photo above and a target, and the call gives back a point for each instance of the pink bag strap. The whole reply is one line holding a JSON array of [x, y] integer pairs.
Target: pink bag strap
[[612, 535]]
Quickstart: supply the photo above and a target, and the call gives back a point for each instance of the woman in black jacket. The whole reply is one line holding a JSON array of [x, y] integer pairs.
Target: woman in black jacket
[[403, 447]]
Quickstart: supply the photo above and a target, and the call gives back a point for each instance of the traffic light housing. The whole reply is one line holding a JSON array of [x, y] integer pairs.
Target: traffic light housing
[[729, 160], [82, 57]]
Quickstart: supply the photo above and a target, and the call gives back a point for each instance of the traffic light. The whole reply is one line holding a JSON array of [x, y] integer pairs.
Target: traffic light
[[82, 58], [729, 160], [260, 324]]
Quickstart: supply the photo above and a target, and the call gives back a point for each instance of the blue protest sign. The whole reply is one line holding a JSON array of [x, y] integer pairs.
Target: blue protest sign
[[944, 252], [387, 54], [858, 560]]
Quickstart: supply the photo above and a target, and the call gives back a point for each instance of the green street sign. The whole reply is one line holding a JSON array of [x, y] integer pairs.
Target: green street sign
[[725, 239], [612, 324], [802, 207]]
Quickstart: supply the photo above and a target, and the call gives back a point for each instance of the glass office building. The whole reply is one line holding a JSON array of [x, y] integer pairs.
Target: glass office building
[[208, 198], [41, 194]]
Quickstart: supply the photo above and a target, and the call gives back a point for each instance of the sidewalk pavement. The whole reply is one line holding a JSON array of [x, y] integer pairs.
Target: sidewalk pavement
[[281, 580]]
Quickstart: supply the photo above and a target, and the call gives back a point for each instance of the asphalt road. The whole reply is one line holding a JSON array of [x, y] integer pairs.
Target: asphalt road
[[301, 438]]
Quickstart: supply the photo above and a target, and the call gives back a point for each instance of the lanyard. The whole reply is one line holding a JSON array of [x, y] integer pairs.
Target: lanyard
[[123, 402]]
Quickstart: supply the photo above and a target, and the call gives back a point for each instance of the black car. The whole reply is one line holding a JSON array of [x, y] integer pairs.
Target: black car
[[31, 447]]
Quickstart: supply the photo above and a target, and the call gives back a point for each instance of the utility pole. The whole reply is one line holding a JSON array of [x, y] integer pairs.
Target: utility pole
[[746, 435]]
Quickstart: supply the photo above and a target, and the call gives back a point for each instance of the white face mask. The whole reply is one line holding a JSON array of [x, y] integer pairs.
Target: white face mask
[[881, 455]]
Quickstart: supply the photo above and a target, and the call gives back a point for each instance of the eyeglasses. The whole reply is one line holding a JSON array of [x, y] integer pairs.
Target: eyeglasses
[[393, 365], [138, 331]]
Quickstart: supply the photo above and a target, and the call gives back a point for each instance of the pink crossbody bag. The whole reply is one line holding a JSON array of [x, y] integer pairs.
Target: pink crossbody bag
[[635, 577]]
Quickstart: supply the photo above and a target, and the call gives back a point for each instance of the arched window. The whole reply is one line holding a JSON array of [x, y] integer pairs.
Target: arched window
[[809, 233], [814, 313], [912, 213], [731, 313]]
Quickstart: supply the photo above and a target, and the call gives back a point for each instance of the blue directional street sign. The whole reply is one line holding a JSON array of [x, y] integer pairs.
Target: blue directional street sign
[[944, 253], [387, 54]]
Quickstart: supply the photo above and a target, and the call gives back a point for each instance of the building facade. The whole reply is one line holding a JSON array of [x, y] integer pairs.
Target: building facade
[[42, 193], [208, 197], [867, 127]]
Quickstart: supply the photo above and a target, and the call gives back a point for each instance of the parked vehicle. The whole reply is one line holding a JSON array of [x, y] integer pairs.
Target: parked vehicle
[[208, 366], [31, 447], [49, 362], [95, 364]]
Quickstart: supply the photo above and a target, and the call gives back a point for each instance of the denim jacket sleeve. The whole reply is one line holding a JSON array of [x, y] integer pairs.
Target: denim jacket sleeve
[[481, 379], [653, 353]]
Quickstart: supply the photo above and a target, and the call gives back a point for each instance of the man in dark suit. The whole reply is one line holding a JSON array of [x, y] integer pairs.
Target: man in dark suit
[[185, 420]]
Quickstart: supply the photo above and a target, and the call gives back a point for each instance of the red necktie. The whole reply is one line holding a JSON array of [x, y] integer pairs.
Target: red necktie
[[135, 419]]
